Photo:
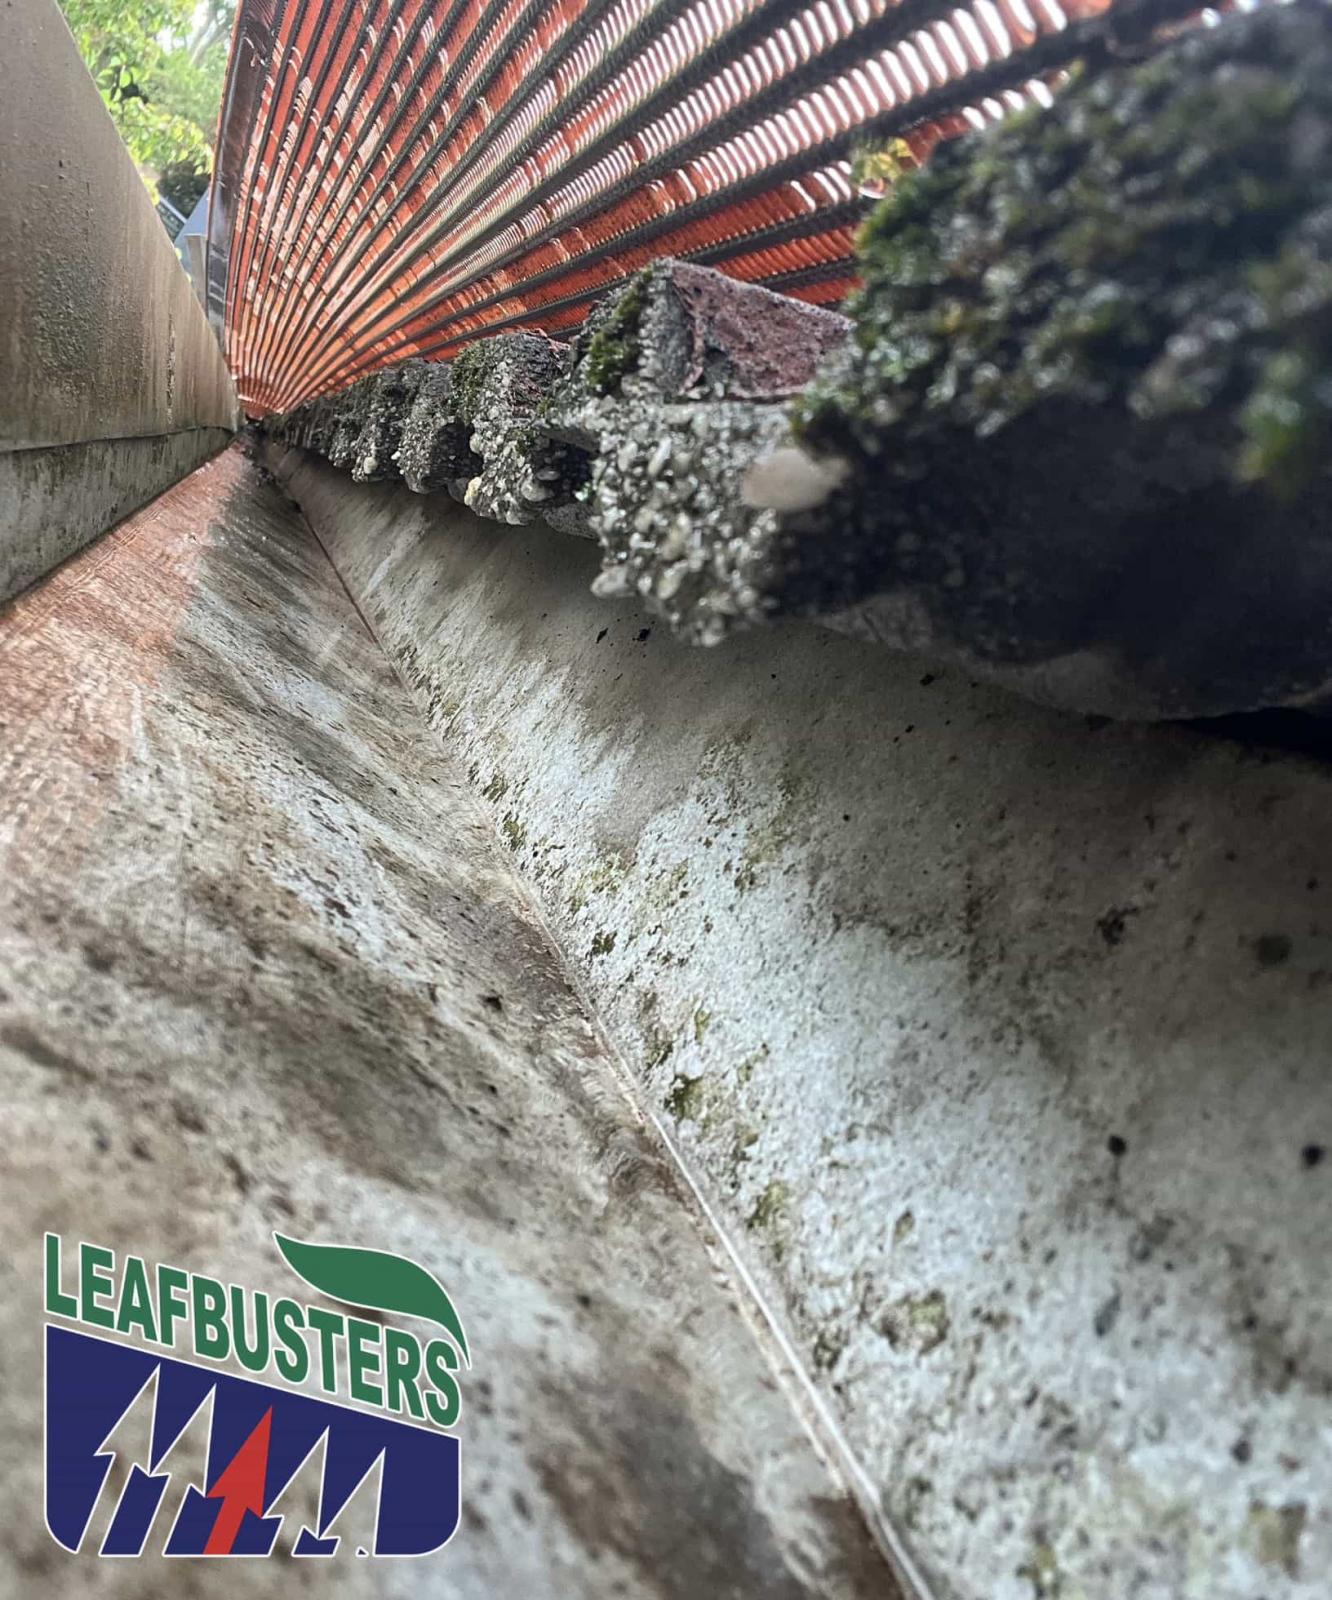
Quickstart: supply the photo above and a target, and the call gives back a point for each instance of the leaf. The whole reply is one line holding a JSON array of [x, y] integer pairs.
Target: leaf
[[377, 1279]]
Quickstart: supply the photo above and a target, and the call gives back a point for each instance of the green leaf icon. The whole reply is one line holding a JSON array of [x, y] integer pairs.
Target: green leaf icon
[[376, 1279]]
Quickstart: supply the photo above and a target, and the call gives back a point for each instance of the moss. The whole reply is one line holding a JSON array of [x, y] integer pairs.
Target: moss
[[496, 789], [1285, 423], [876, 167], [513, 830], [614, 346], [1156, 244], [468, 373], [602, 944], [702, 1018]]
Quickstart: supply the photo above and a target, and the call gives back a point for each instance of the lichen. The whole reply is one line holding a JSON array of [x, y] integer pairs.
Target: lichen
[[916, 1322], [1274, 1534], [659, 1046], [687, 1098], [603, 876], [1042, 1572], [771, 1207]]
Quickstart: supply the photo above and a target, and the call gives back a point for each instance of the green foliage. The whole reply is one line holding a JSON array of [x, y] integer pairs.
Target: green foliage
[[183, 185], [160, 66]]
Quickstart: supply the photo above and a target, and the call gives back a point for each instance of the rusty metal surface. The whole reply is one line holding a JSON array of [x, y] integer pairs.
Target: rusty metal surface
[[263, 963], [398, 177]]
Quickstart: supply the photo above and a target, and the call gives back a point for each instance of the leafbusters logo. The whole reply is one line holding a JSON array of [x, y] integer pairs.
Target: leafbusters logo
[[256, 1443]]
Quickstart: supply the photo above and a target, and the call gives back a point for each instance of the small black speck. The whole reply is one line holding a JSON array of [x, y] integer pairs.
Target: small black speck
[[1116, 1145], [1242, 1451], [602, 634], [1114, 924], [493, 1001], [644, 633], [928, 679], [1272, 949], [1107, 1316], [1312, 1155], [846, 816]]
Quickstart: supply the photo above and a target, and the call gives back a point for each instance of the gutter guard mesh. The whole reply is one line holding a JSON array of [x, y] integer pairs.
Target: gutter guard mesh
[[397, 178]]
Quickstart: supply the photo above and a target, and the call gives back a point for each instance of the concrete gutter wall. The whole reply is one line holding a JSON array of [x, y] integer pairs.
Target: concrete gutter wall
[[242, 988], [998, 1038], [113, 386]]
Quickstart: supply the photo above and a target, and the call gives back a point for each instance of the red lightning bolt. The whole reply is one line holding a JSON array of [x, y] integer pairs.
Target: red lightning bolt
[[240, 1488]]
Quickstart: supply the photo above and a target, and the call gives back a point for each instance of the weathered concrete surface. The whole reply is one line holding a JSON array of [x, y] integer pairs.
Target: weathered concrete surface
[[54, 501], [101, 337], [1000, 1039], [100, 334], [263, 964]]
